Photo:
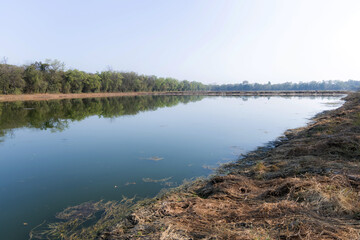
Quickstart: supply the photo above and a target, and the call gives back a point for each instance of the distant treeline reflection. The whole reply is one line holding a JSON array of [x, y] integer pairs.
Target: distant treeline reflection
[[57, 114]]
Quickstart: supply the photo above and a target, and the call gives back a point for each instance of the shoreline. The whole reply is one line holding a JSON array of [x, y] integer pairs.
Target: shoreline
[[54, 96], [305, 186]]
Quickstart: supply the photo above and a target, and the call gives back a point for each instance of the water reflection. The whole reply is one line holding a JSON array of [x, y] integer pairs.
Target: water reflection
[[57, 114]]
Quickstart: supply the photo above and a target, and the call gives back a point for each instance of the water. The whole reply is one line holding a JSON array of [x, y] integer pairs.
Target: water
[[54, 154]]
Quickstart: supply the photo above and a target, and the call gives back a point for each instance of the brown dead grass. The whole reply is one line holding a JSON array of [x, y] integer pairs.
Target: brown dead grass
[[307, 187], [235, 207]]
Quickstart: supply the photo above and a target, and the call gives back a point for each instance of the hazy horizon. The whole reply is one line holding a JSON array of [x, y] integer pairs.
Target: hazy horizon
[[207, 40]]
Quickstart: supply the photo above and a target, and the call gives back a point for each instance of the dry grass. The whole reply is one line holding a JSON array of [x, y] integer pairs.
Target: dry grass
[[236, 207]]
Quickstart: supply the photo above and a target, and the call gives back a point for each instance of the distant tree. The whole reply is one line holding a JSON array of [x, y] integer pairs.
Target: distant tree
[[11, 79], [34, 79], [289, 86], [91, 83], [53, 72], [75, 78]]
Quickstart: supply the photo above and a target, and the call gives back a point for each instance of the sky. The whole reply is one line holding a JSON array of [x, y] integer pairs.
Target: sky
[[211, 41]]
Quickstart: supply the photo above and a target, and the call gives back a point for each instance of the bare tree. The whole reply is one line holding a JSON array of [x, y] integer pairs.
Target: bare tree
[[4, 60]]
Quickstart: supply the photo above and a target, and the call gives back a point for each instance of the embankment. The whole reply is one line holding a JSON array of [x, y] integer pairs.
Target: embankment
[[53, 96], [307, 186]]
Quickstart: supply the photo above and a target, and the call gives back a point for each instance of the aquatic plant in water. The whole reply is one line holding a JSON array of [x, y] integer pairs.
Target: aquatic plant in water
[[156, 180], [84, 221]]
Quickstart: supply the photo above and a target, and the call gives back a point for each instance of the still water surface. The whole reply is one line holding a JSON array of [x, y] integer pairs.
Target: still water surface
[[54, 154]]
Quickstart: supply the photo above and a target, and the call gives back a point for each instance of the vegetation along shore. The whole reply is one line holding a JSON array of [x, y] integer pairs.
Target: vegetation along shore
[[305, 185], [51, 76]]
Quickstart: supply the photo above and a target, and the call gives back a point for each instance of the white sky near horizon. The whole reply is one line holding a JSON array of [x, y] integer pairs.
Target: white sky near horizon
[[211, 41]]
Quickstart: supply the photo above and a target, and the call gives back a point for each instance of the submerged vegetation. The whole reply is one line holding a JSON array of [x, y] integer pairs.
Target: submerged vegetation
[[306, 185], [84, 221]]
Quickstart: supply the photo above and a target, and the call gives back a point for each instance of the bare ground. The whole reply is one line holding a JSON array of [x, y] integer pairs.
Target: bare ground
[[53, 96], [306, 187]]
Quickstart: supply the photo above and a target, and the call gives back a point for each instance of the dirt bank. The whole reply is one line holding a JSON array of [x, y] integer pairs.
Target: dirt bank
[[52, 96], [306, 187]]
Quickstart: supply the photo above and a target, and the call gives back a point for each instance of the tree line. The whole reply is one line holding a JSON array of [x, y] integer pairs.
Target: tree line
[[51, 77], [289, 86]]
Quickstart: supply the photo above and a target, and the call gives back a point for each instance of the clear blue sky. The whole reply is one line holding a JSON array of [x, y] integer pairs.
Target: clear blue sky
[[212, 41]]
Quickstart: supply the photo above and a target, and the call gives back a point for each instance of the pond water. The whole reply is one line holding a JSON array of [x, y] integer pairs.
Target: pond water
[[54, 154]]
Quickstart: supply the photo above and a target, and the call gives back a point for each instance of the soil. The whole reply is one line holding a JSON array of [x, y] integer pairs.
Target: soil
[[52, 96]]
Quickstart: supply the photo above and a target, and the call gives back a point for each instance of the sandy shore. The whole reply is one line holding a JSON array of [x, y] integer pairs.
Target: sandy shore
[[52, 96]]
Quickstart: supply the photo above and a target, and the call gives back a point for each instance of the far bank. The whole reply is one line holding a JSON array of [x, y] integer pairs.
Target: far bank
[[54, 96]]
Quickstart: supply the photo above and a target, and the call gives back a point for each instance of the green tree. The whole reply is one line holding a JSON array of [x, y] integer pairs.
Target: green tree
[[34, 82], [111, 81], [75, 79], [54, 75], [11, 79], [91, 83]]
